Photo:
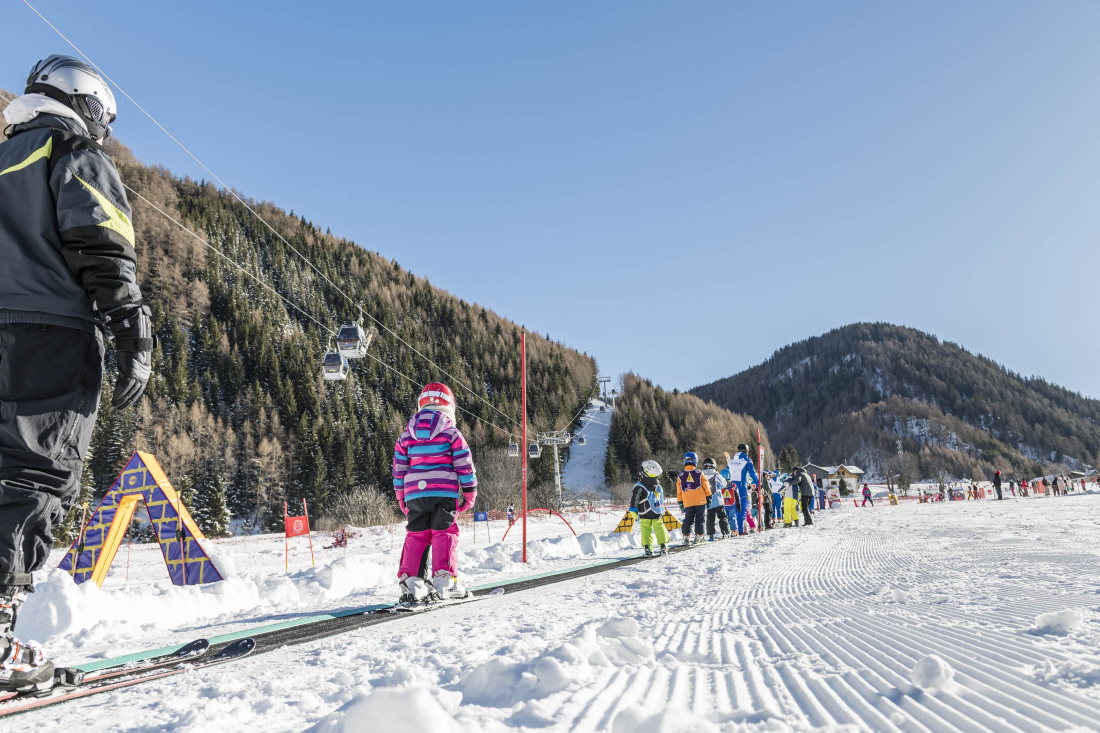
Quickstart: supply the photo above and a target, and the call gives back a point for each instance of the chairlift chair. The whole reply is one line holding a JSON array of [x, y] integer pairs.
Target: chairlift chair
[[335, 366], [352, 340], [534, 450]]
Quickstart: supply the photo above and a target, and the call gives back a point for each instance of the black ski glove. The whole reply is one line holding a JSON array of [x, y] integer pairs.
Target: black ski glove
[[132, 327]]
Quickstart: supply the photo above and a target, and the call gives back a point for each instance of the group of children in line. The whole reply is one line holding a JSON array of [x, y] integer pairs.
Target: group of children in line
[[716, 502]]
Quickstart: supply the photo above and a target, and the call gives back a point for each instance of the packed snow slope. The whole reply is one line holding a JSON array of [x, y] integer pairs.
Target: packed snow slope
[[584, 471], [971, 616]]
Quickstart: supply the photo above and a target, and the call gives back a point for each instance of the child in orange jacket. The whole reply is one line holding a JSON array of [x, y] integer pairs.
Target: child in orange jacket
[[692, 491]]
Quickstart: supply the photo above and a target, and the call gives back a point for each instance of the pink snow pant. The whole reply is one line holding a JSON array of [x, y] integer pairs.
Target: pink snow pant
[[431, 525]]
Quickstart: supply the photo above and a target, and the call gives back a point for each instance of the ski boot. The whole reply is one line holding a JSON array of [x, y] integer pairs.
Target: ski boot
[[647, 552], [447, 586], [687, 540], [664, 549], [23, 666], [414, 590]]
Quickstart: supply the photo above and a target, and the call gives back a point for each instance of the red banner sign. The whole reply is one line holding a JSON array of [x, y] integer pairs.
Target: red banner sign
[[296, 526]]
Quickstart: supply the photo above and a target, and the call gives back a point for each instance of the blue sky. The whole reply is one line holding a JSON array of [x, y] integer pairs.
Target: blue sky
[[677, 188]]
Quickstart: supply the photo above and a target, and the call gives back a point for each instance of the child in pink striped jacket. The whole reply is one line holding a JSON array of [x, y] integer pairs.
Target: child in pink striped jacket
[[434, 480]]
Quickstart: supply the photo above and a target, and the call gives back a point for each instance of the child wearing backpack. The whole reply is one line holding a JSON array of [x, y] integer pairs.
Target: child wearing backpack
[[647, 503]]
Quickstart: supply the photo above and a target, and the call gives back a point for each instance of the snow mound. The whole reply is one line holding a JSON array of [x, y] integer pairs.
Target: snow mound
[[60, 607], [1080, 672], [1058, 622], [395, 709], [931, 673], [598, 644]]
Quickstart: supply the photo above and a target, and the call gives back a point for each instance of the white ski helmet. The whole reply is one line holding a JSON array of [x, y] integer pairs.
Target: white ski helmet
[[651, 469], [79, 87]]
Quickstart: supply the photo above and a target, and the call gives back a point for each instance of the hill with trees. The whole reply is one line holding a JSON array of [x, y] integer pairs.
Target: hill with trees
[[897, 400]]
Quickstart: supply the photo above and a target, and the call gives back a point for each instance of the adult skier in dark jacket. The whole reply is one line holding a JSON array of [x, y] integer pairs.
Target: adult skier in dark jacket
[[67, 244], [801, 480]]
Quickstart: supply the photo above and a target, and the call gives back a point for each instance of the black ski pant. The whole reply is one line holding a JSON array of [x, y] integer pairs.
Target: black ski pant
[[807, 510], [693, 520], [50, 378], [719, 513]]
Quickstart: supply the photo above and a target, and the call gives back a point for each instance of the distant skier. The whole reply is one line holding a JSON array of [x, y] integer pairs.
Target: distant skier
[[775, 483], [742, 473], [997, 485], [716, 507], [647, 502], [693, 492], [806, 494], [511, 514], [867, 495], [434, 479], [69, 275], [791, 493]]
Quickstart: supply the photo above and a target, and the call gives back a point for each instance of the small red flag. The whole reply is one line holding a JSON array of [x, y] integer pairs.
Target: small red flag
[[296, 526]]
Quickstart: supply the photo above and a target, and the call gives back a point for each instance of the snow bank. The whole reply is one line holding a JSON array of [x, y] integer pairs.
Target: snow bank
[[598, 644], [61, 608], [932, 673], [1058, 622], [410, 709]]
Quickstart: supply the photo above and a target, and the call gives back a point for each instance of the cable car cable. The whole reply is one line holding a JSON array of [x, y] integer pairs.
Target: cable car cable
[[251, 210]]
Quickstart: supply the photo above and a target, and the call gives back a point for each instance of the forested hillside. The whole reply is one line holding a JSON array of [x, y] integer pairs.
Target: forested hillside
[[894, 399], [652, 423], [237, 411]]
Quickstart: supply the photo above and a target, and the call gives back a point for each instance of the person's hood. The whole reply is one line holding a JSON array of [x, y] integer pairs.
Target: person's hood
[[427, 424], [37, 110]]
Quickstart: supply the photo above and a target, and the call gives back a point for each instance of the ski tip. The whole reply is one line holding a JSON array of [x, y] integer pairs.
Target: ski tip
[[237, 648], [497, 592]]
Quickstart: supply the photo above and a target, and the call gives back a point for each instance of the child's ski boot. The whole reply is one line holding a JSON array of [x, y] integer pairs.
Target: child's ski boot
[[664, 549], [447, 585], [647, 552], [414, 590]]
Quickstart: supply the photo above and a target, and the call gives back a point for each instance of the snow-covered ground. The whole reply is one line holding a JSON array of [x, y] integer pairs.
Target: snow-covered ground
[[974, 616], [583, 471]]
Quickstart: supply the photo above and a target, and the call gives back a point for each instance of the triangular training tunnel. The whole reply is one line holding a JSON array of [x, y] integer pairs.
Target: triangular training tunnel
[[91, 555]]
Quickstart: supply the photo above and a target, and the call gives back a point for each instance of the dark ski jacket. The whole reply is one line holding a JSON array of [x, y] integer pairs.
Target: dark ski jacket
[[803, 483], [648, 499], [66, 237]]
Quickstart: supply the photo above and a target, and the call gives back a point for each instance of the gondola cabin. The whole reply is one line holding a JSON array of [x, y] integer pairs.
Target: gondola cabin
[[513, 450], [335, 366], [581, 440], [534, 450], [352, 340]]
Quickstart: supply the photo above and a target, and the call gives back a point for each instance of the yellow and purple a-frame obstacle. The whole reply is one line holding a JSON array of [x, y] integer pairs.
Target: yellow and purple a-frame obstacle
[[92, 553]]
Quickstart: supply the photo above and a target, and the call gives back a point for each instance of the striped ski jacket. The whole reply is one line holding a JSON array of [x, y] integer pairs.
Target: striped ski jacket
[[431, 459]]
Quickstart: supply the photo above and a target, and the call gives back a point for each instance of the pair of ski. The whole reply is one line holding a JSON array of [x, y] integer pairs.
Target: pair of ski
[[432, 603], [74, 683]]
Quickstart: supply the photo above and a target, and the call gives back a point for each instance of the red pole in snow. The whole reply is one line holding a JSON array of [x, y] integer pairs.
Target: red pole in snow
[[760, 479], [523, 431], [309, 533]]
